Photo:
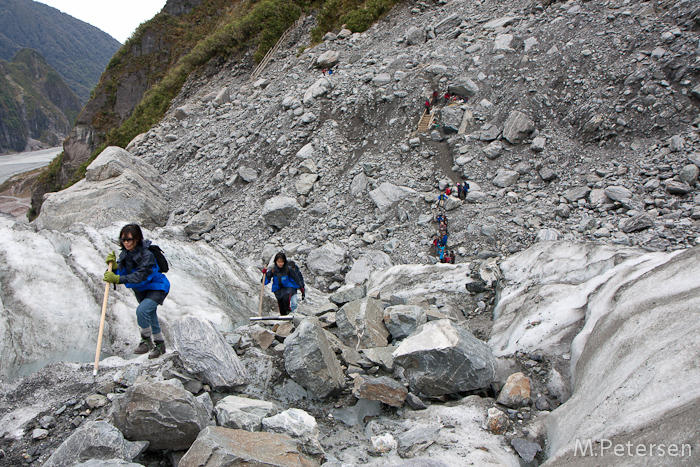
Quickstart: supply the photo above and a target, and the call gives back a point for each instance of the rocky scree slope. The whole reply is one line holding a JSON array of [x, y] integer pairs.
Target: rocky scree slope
[[604, 95]]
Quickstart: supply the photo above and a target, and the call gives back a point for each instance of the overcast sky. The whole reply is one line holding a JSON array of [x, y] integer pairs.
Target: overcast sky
[[117, 18]]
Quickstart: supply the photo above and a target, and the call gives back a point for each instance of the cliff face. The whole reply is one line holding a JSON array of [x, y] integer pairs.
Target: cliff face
[[142, 62], [77, 50], [36, 105]]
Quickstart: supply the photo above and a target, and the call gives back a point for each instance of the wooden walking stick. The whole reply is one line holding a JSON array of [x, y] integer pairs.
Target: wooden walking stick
[[262, 291], [102, 325]]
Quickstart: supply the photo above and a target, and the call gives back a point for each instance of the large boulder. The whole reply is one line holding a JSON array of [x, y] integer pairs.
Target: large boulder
[[298, 425], [451, 119], [222, 447], [402, 320], [207, 354], [280, 211], [160, 412], [441, 358], [463, 86], [361, 323], [244, 413], [310, 360], [328, 59], [327, 260], [94, 440], [518, 127], [388, 194], [365, 264], [118, 188]]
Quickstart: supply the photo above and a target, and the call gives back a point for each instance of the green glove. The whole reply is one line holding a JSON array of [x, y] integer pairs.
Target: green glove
[[111, 277], [111, 258]]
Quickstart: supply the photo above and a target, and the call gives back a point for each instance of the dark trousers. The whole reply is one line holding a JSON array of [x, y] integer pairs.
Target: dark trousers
[[284, 304]]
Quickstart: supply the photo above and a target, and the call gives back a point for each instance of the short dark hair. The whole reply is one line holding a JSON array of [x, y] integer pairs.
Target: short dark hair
[[134, 230]]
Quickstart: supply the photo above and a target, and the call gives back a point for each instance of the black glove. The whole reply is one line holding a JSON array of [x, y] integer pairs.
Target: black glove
[[303, 294]]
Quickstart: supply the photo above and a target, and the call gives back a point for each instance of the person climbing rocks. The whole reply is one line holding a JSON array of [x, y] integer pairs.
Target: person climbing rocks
[[435, 96], [427, 106], [137, 268], [286, 280]]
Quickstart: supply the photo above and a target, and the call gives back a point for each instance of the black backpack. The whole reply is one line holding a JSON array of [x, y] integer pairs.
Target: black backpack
[[160, 258]]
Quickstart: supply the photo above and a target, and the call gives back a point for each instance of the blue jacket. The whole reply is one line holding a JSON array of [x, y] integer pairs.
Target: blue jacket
[[138, 270], [285, 281]]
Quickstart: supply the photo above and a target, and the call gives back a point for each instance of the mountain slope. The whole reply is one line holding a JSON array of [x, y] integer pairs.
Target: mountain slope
[[35, 103], [77, 50]]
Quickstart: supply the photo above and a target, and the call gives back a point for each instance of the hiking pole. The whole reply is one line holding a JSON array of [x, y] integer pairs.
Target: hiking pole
[[102, 326], [262, 291]]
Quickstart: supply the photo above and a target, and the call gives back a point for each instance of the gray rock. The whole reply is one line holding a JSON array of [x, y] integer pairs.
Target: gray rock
[[505, 178], [248, 174], [95, 440], [451, 119], [678, 188], [384, 389], [244, 413], [388, 194], [365, 264], [299, 425], [463, 86], [415, 36], [220, 447], [636, 223], [349, 295], [280, 211], [201, 223], [207, 354], [358, 187], [618, 193], [448, 24], [382, 79], [223, 97], [361, 322], [402, 320], [163, 413], [689, 174], [525, 449], [182, 113], [518, 127], [493, 149], [107, 463], [574, 194], [118, 188], [327, 260], [466, 363], [310, 361], [305, 183], [328, 59]]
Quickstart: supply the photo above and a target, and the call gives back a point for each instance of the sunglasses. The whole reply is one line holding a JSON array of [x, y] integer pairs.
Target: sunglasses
[[127, 239]]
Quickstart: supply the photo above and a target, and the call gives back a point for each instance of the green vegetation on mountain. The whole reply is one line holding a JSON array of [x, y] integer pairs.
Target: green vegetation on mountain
[[210, 34], [35, 102], [77, 50]]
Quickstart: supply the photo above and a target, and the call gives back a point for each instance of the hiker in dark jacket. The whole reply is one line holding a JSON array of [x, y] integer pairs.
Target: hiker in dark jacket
[[138, 270], [286, 280]]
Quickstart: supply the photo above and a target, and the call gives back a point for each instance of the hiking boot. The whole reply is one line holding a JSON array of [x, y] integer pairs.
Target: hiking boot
[[144, 346], [158, 350]]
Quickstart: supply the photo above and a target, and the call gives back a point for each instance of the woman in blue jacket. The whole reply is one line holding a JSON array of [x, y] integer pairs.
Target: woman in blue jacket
[[286, 279], [138, 270]]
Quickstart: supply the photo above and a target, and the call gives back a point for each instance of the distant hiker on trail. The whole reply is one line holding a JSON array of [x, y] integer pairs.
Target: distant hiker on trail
[[137, 268], [447, 97], [441, 200], [465, 190], [286, 279], [427, 105], [435, 96]]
